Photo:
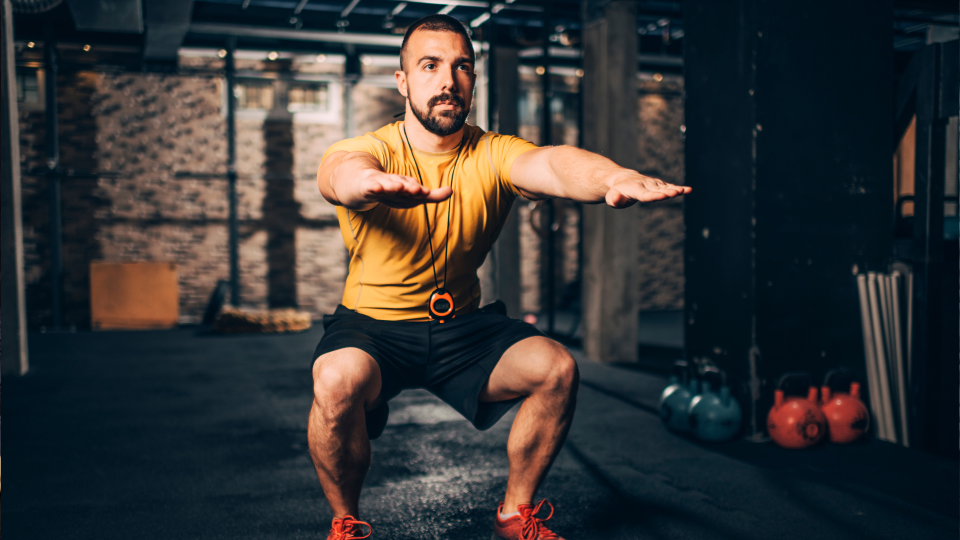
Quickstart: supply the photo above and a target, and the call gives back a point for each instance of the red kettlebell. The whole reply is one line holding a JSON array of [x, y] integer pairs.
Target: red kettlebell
[[796, 422], [847, 416]]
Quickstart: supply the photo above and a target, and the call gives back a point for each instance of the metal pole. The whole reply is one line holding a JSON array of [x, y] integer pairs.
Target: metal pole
[[545, 140], [493, 98], [232, 173], [53, 179]]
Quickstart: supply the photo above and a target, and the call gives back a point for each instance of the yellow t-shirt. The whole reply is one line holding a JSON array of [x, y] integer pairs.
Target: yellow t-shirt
[[390, 275]]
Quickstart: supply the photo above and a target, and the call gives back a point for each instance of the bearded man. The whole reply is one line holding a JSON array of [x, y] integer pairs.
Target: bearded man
[[420, 202]]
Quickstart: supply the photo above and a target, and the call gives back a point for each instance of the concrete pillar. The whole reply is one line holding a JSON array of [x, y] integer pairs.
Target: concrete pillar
[[500, 273], [507, 269], [788, 152], [610, 237], [14, 311]]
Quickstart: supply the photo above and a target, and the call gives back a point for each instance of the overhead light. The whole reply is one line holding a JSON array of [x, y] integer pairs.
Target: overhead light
[[480, 20], [657, 77], [86, 48], [651, 27], [541, 70], [273, 55], [321, 58], [222, 53], [579, 73], [396, 11], [346, 11], [663, 22], [31, 45], [446, 10]]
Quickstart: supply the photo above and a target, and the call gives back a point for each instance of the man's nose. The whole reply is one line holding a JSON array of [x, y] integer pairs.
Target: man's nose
[[449, 81]]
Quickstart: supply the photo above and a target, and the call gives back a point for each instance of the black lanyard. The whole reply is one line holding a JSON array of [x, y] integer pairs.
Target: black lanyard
[[426, 216]]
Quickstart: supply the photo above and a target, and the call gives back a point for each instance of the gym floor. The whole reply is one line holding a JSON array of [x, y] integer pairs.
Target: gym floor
[[182, 434]]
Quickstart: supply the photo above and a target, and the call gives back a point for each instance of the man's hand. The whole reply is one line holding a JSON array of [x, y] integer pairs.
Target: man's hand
[[393, 190], [356, 180], [636, 187]]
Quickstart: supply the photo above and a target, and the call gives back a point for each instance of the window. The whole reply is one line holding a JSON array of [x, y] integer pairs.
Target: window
[[28, 88], [312, 97], [254, 95], [307, 101]]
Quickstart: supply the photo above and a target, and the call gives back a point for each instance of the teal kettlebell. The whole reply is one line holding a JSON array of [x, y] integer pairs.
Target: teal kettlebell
[[715, 417], [675, 399]]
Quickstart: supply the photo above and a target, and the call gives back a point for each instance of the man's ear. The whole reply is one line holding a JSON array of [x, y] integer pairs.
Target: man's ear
[[401, 82]]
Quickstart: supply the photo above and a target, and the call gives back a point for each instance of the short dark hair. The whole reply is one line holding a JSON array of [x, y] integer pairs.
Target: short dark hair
[[437, 23]]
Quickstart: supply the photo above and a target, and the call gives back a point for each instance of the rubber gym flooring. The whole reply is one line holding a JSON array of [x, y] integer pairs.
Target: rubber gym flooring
[[185, 435]]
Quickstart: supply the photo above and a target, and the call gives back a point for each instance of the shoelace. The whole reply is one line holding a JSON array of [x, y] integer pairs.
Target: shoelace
[[345, 528], [533, 527]]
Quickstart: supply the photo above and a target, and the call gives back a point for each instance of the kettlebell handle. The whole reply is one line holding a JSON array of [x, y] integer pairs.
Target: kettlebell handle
[[833, 373], [795, 376]]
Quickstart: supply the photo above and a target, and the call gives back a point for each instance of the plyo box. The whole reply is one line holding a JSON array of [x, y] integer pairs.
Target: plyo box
[[133, 295]]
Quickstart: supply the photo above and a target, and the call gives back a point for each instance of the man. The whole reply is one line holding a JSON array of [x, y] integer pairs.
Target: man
[[420, 202]]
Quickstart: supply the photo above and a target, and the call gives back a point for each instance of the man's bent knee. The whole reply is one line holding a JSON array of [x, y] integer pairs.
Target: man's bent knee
[[563, 375], [557, 369], [344, 379]]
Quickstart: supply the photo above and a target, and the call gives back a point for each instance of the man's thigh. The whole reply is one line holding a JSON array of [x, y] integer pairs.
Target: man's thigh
[[522, 368]]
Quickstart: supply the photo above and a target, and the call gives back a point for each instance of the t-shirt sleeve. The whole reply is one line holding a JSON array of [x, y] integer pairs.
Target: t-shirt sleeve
[[368, 143], [505, 149]]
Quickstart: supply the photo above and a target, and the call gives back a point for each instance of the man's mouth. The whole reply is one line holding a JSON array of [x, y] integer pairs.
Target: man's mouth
[[446, 102]]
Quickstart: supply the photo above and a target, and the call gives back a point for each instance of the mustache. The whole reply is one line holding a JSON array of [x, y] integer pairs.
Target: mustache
[[446, 97]]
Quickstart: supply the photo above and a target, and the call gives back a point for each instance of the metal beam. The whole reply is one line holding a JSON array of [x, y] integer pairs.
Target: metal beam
[[240, 30], [11, 228], [319, 36], [232, 172]]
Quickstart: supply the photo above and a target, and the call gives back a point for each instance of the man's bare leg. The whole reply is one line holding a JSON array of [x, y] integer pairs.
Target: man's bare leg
[[543, 371], [346, 383]]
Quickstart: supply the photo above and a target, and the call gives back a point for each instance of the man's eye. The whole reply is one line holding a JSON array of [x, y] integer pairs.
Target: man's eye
[[464, 67], [429, 66]]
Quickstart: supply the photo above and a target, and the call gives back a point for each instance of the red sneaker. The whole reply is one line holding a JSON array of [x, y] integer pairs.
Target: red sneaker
[[349, 528], [524, 526]]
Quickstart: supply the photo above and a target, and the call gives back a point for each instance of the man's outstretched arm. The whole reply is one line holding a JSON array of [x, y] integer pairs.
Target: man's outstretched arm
[[356, 180], [571, 173]]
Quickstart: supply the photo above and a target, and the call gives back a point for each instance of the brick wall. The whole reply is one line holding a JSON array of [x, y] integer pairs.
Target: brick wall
[[659, 154], [147, 130]]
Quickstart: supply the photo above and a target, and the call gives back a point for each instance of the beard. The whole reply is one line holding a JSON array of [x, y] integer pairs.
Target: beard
[[442, 123]]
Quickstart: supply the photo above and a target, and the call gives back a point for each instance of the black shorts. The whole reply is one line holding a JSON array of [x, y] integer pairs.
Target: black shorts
[[452, 360]]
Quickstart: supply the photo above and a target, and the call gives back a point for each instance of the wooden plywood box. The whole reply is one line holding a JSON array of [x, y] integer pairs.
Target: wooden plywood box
[[134, 295]]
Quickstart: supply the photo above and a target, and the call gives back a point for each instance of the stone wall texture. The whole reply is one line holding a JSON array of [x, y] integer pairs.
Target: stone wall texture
[[659, 154], [159, 144]]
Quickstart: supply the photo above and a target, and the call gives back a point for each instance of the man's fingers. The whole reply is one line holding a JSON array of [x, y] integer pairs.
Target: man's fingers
[[440, 194], [636, 192], [649, 190], [403, 199]]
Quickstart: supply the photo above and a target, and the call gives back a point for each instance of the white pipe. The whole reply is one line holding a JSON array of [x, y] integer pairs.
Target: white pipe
[[898, 343], [909, 325], [886, 312], [887, 416], [866, 325]]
